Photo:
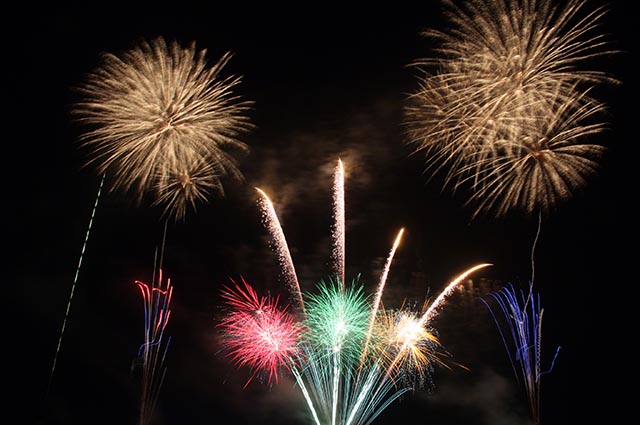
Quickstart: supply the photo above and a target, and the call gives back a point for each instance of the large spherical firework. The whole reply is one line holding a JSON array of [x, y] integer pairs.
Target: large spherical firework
[[505, 71], [162, 123]]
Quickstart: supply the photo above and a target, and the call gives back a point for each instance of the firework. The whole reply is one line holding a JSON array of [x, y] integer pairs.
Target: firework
[[189, 181], [270, 219], [152, 353], [523, 341], [337, 320], [410, 348], [258, 333], [338, 223], [350, 357], [508, 109], [412, 338], [383, 280], [541, 164], [73, 288], [163, 123], [346, 373]]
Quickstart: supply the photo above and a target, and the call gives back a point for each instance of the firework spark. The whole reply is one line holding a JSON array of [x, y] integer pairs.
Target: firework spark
[[543, 165], [430, 312], [257, 332], [73, 288], [383, 280], [523, 316], [157, 114], [338, 224], [409, 348], [163, 124], [337, 320], [350, 358], [509, 107], [152, 353], [346, 374], [270, 218]]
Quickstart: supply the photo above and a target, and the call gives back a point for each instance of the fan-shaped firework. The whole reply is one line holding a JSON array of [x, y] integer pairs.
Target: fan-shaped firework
[[151, 355], [523, 340], [163, 122], [350, 358], [508, 84]]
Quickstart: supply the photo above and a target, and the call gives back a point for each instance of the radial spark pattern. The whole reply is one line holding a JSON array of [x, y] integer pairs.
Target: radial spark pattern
[[258, 332], [505, 107], [163, 123]]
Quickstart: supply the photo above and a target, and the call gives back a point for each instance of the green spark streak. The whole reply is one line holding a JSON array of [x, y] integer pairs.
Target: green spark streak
[[75, 280], [305, 392]]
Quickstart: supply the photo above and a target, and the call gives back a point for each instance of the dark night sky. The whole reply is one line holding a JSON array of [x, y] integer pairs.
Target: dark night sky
[[327, 84]]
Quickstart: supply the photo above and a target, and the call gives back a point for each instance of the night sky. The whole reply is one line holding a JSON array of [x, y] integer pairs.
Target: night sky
[[327, 84]]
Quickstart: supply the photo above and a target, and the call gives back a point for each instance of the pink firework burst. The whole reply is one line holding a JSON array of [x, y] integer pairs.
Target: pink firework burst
[[258, 333]]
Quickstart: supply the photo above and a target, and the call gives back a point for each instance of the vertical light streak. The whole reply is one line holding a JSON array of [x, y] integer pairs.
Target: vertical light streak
[[336, 384], [338, 232], [338, 251], [361, 396]]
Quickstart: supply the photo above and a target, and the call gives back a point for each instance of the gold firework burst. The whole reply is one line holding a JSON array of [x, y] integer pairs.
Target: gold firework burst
[[508, 77], [158, 112]]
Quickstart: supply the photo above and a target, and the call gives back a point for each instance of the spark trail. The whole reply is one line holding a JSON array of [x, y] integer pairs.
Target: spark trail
[[270, 219], [73, 287], [338, 232], [378, 296]]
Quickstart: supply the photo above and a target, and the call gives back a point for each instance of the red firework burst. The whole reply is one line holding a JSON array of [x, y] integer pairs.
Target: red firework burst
[[258, 333]]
